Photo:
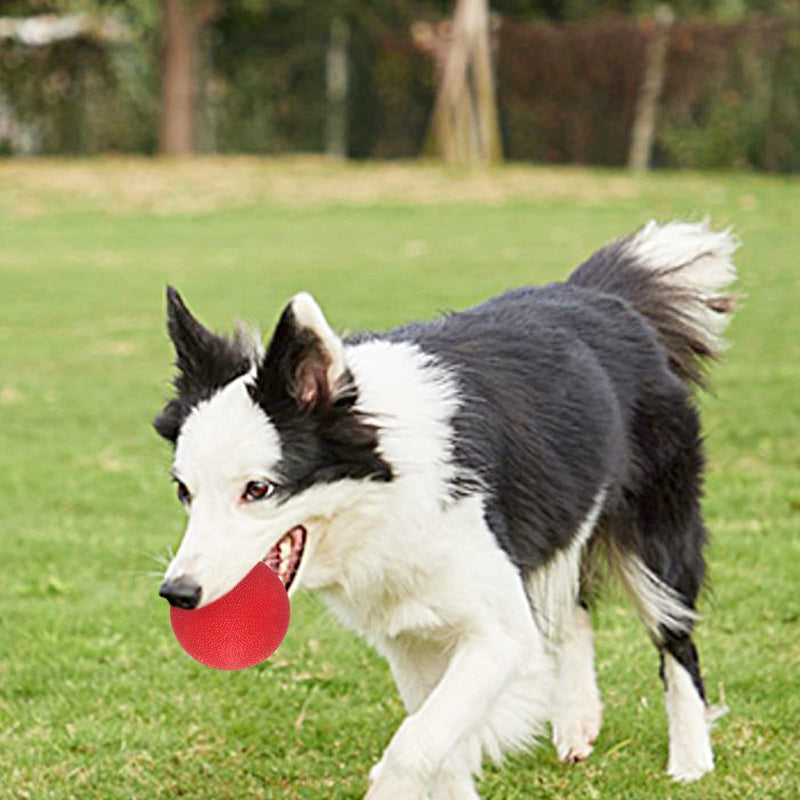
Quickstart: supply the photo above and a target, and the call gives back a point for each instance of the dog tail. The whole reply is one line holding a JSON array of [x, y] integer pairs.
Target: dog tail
[[674, 275]]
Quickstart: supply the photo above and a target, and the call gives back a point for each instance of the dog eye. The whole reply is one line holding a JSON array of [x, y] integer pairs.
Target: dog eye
[[258, 490], [183, 493]]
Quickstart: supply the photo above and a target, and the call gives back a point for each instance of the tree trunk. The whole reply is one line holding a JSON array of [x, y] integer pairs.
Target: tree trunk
[[644, 125], [337, 80], [181, 22], [485, 105], [178, 88], [464, 123], [205, 120]]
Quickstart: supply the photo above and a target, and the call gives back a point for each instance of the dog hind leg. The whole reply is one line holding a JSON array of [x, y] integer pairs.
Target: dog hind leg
[[455, 778], [658, 541], [690, 754], [577, 709], [664, 583]]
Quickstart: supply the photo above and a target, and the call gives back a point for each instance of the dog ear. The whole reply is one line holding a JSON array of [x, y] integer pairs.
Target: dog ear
[[191, 340], [305, 358], [205, 360]]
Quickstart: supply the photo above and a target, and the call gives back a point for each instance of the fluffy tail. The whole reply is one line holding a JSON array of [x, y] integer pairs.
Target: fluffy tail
[[674, 275]]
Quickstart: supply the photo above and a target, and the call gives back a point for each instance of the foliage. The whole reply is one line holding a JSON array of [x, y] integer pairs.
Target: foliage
[[782, 149], [742, 112], [80, 96], [567, 90], [97, 699], [269, 90], [730, 131]]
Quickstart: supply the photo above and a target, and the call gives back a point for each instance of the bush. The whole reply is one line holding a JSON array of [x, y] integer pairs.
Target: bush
[[567, 92]]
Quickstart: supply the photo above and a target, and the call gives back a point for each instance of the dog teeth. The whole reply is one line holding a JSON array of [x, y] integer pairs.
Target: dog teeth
[[284, 557], [285, 549]]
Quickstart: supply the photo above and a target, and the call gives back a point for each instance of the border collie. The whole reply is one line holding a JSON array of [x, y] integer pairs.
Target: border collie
[[454, 490]]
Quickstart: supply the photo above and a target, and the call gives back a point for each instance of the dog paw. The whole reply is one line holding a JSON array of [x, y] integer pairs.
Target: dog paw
[[454, 787], [389, 783], [573, 747], [688, 772], [391, 786], [574, 738], [688, 764]]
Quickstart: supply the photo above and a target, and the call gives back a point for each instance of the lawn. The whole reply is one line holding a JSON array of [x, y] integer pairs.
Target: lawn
[[97, 700]]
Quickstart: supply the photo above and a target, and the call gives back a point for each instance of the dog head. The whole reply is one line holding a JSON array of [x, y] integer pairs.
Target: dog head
[[265, 443]]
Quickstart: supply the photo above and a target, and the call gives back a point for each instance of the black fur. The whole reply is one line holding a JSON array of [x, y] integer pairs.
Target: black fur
[[613, 270], [206, 362], [564, 391], [324, 440], [555, 384], [572, 388], [681, 647], [538, 424], [661, 519]]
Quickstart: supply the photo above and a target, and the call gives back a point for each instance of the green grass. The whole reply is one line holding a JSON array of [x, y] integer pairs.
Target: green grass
[[97, 699]]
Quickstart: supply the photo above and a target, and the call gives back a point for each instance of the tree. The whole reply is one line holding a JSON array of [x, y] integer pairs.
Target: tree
[[464, 124], [182, 23]]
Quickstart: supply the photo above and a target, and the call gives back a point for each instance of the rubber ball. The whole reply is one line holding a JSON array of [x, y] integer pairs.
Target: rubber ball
[[240, 629]]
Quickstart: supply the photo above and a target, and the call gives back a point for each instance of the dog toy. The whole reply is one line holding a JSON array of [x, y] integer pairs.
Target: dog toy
[[241, 628]]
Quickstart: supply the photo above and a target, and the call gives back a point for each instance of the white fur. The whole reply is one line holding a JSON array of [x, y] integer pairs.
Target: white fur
[[690, 755], [453, 784], [225, 442], [690, 256], [412, 400], [658, 604], [227, 436], [553, 588], [309, 315], [432, 591], [420, 576], [437, 596], [577, 709], [422, 579], [251, 341]]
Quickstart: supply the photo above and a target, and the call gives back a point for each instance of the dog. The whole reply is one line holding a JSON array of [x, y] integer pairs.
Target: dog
[[456, 489]]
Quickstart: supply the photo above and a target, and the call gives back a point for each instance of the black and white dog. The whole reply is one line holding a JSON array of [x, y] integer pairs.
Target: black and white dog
[[450, 488]]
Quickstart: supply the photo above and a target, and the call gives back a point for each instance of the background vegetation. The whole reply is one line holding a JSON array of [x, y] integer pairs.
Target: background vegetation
[[97, 699], [568, 77]]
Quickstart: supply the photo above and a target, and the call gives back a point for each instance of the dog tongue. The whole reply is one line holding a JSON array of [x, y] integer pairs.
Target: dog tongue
[[240, 629]]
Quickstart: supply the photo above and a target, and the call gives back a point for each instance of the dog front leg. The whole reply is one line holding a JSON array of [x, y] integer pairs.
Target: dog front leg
[[477, 673]]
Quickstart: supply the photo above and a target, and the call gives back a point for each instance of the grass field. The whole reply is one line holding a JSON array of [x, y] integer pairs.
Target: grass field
[[97, 700]]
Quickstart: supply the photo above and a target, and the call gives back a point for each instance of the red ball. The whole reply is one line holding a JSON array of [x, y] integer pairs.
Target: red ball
[[241, 628]]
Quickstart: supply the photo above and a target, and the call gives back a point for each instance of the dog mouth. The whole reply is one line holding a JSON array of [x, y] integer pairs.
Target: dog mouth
[[285, 556]]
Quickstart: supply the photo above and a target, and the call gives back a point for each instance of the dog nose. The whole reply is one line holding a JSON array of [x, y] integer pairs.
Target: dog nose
[[181, 592]]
